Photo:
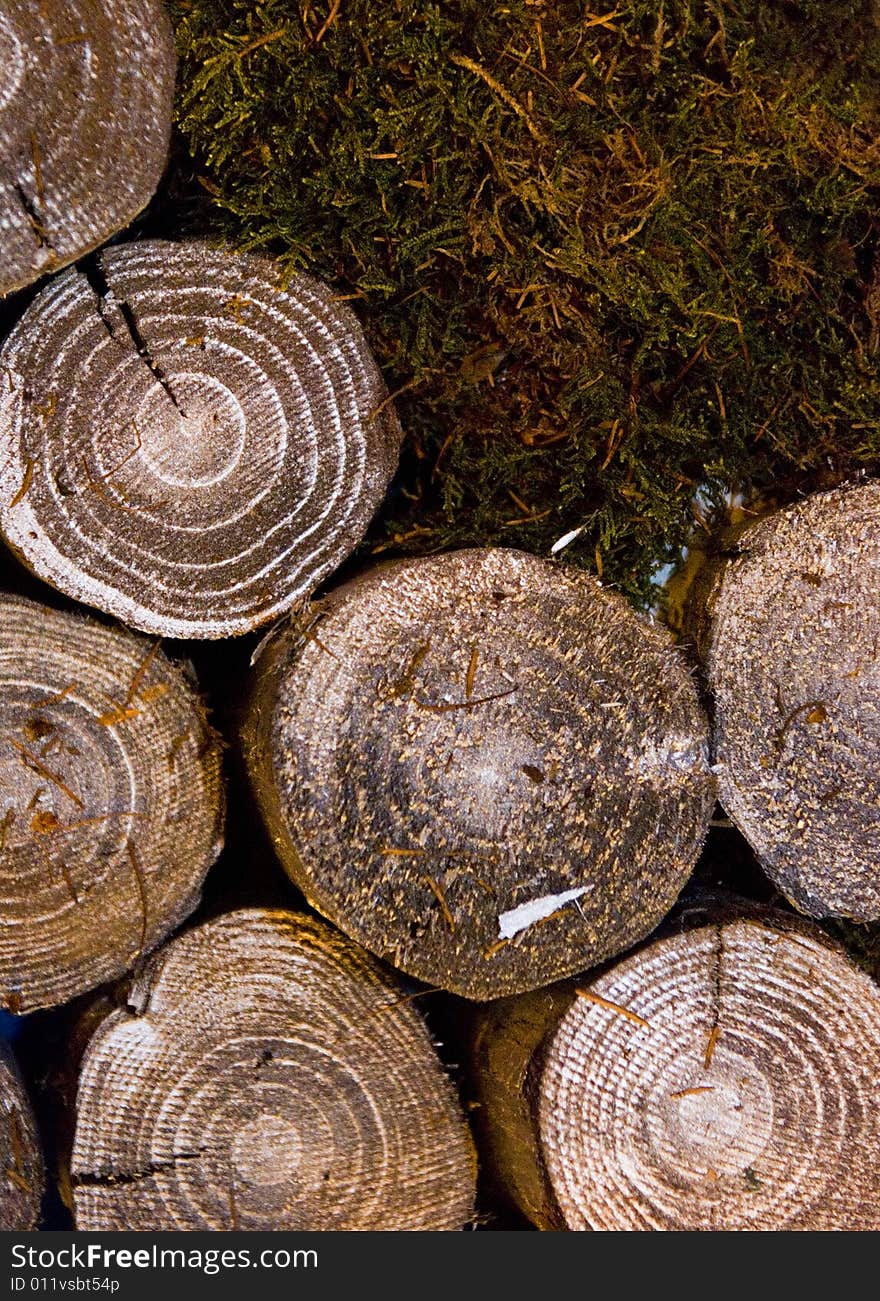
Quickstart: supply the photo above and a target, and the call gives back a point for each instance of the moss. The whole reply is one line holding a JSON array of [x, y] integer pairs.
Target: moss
[[620, 265]]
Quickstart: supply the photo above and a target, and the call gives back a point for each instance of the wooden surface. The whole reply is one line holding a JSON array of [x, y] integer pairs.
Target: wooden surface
[[183, 444], [268, 1075], [110, 802], [85, 120], [482, 766], [791, 641], [720, 1079], [21, 1164]]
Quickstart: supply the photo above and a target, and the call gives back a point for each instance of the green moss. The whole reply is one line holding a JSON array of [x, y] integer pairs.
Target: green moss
[[607, 260]]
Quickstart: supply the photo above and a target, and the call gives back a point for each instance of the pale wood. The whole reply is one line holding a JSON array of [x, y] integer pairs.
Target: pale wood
[[85, 119], [268, 1075], [21, 1163], [720, 1079], [110, 802], [790, 630], [446, 741], [184, 444]]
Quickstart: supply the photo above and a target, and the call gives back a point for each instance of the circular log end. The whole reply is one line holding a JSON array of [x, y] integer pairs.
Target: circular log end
[[85, 121], [724, 1079], [483, 767], [792, 659], [110, 802], [21, 1164], [271, 1077], [185, 444]]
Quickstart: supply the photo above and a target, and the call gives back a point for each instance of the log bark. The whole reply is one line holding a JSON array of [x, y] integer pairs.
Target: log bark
[[789, 631], [268, 1075], [21, 1163], [184, 444], [85, 122], [110, 802], [723, 1078], [481, 766]]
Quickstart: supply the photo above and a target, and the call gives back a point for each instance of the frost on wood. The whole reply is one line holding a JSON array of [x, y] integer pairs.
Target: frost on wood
[[482, 766], [85, 119], [272, 1077], [21, 1165], [721, 1079], [183, 443], [110, 802], [792, 659]]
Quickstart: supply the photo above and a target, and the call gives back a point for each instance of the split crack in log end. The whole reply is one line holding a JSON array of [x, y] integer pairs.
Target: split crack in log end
[[120, 1178], [221, 549], [92, 268]]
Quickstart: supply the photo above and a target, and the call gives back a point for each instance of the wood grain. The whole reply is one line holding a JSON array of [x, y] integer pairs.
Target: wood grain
[[110, 802], [482, 766], [21, 1162], [267, 1075], [791, 641], [742, 1098], [85, 120], [184, 444]]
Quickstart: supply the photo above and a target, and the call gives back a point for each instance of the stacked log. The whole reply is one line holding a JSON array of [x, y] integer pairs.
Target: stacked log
[[481, 766], [789, 623], [267, 1075], [723, 1078], [111, 802], [184, 443], [85, 121], [21, 1163]]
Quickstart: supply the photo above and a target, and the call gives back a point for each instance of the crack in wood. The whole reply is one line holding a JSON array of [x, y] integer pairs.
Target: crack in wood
[[122, 1178], [93, 269], [715, 1029], [38, 226]]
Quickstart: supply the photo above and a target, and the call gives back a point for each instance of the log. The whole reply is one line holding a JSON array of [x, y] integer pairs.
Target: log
[[482, 766], [185, 445], [789, 633], [110, 802], [723, 1078], [21, 1163], [267, 1075], [85, 123]]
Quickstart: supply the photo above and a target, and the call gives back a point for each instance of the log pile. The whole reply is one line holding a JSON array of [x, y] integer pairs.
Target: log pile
[[482, 767]]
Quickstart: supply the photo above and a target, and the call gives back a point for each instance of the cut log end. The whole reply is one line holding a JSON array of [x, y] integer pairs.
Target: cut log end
[[21, 1164], [792, 659], [483, 767], [110, 802], [85, 121], [185, 444], [723, 1079], [271, 1077]]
